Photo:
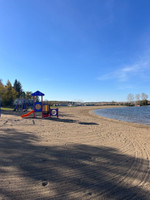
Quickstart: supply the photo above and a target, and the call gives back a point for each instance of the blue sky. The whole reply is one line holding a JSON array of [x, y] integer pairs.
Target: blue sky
[[88, 50]]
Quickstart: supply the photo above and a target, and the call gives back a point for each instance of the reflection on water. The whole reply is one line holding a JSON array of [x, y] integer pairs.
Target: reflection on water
[[139, 115]]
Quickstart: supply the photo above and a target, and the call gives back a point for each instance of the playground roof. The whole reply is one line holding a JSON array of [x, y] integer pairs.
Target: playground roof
[[37, 93]]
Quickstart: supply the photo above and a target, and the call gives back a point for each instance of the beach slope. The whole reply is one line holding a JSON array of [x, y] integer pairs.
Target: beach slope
[[78, 156]]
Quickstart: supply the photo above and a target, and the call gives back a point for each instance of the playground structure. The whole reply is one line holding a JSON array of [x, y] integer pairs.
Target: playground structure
[[22, 104], [42, 107]]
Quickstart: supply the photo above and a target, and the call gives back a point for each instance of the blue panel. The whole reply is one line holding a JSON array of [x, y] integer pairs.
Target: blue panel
[[54, 112], [38, 107]]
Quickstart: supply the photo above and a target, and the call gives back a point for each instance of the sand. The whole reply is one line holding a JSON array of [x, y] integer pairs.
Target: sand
[[78, 156]]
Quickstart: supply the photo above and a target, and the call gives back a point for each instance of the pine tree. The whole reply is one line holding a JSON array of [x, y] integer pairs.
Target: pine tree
[[18, 87]]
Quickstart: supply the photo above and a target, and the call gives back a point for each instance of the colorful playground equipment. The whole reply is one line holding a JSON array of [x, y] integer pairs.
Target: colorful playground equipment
[[42, 107], [22, 104], [26, 115]]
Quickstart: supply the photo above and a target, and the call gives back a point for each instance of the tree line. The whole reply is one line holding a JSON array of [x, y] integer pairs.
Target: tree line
[[138, 99], [9, 92]]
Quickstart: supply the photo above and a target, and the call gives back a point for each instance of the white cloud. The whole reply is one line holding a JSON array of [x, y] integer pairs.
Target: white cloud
[[126, 73]]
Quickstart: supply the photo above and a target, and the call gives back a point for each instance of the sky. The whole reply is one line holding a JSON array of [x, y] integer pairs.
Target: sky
[[77, 50]]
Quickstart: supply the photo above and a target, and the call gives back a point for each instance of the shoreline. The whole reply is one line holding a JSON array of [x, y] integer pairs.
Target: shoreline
[[81, 155], [125, 122]]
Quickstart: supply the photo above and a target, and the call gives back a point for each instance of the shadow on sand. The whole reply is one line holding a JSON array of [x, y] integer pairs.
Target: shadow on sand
[[61, 119], [66, 172]]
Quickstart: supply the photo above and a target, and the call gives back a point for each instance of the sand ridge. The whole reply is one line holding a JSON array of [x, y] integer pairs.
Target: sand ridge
[[78, 156]]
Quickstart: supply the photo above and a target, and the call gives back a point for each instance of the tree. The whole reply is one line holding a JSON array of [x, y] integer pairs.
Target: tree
[[1, 84], [28, 95], [8, 95], [130, 98], [137, 98], [144, 98], [18, 87], [2, 87]]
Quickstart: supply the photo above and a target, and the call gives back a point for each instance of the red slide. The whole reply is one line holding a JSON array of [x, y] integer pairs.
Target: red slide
[[25, 115]]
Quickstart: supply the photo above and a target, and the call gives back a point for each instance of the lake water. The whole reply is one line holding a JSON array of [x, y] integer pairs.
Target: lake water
[[140, 115]]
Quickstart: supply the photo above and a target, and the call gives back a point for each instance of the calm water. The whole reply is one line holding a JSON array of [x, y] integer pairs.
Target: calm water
[[140, 115]]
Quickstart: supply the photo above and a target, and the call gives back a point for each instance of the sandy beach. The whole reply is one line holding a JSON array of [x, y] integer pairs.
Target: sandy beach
[[78, 156]]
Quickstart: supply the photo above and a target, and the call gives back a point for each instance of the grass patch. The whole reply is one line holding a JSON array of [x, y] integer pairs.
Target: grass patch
[[2, 108]]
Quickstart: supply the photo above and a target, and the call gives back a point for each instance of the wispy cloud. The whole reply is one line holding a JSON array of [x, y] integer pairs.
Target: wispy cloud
[[138, 70], [127, 86]]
